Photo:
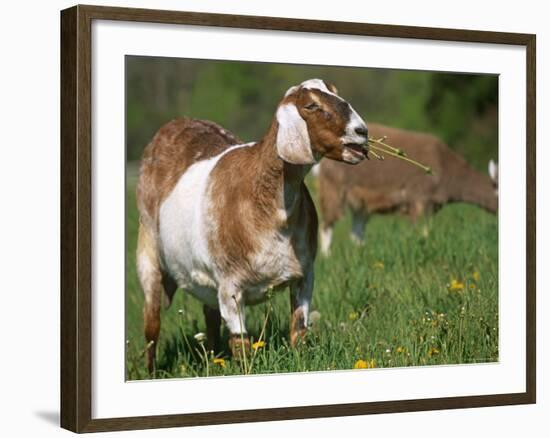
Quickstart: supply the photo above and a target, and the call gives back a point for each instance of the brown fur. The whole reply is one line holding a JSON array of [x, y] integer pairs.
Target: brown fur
[[395, 185], [175, 147], [247, 188], [326, 122]]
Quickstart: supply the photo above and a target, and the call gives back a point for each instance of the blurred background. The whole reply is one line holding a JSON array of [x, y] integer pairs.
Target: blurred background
[[242, 96]]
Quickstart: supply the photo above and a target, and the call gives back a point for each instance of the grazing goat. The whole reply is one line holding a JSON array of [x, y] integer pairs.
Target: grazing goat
[[227, 221], [394, 185]]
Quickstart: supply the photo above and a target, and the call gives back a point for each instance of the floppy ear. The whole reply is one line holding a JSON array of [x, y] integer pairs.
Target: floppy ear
[[291, 90], [293, 144], [331, 87]]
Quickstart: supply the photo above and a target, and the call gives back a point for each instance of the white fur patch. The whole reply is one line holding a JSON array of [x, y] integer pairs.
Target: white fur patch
[[493, 173], [316, 169], [355, 122], [317, 84], [350, 157], [493, 169], [293, 144], [182, 233], [291, 90], [326, 240]]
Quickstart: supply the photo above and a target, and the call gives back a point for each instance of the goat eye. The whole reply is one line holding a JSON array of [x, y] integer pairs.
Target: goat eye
[[311, 106]]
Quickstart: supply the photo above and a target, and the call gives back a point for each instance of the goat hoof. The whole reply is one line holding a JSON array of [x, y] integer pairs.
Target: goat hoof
[[239, 346]]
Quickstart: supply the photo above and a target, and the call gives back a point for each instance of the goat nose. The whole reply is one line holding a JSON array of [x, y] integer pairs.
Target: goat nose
[[362, 131]]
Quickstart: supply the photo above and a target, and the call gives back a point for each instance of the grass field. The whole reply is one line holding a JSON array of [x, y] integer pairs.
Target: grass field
[[400, 300]]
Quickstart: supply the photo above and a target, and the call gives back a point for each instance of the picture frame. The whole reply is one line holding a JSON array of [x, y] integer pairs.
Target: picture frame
[[77, 200]]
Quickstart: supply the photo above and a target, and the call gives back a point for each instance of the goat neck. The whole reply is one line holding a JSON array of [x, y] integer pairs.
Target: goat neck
[[471, 186], [276, 178]]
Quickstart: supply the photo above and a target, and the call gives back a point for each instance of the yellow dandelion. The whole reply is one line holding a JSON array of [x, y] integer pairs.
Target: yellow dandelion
[[258, 344], [219, 361], [363, 364], [400, 350], [353, 316], [378, 265], [433, 352], [456, 285], [475, 276]]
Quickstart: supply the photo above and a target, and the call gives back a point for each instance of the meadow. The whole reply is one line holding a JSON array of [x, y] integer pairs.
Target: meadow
[[402, 299]]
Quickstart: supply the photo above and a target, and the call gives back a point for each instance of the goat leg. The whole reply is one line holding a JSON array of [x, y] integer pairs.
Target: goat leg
[[300, 300]]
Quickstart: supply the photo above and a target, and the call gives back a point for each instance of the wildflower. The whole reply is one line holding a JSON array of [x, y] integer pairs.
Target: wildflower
[[314, 317], [219, 361], [388, 351], [472, 286], [200, 337], [363, 364], [378, 265], [456, 285], [180, 311], [433, 352], [475, 276], [353, 316], [399, 350], [258, 344]]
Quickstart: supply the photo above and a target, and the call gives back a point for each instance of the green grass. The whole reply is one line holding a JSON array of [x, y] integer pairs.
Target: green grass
[[389, 303]]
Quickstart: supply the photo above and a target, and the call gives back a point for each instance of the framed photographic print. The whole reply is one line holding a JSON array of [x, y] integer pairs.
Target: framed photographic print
[[319, 218]]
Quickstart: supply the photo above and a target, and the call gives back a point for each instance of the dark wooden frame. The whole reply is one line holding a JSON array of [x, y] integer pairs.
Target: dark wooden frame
[[76, 243]]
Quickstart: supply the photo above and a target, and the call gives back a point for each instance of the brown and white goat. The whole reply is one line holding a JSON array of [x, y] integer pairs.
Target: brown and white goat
[[227, 221], [393, 185]]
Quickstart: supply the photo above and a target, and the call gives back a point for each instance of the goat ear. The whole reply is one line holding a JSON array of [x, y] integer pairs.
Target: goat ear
[[291, 90], [293, 144], [331, 87], [493, 170]]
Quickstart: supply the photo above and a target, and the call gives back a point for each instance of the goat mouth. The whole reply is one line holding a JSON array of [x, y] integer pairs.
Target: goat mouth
[[355, 153]]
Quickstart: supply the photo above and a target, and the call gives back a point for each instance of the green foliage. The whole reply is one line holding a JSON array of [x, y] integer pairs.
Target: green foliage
[[400, 300], [242, 96]]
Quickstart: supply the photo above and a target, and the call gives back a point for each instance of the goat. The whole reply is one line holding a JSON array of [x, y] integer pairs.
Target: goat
[[393, 185], [227, 221]]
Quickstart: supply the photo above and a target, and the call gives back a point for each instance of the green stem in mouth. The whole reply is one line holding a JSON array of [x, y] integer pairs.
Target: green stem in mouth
[[378, 157], [381, 142], [375, 145]]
